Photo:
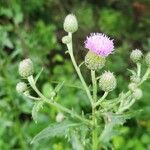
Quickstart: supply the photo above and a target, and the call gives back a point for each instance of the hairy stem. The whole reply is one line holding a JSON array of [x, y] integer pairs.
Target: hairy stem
[[138, 69], [101, 99], [70, 49], [55, 104], [94, 119]]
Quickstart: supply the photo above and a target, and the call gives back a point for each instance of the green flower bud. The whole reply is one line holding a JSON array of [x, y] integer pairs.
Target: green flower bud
[[136, 55], [147, 59], [107, 82], [70, 23], [132, 86], [26, 68], [93, 61], [21, 87], [60, 117], [66, 39], [135, 79], [137, 94]]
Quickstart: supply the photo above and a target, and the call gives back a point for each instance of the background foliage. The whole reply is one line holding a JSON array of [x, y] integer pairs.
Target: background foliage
[[33, 28]]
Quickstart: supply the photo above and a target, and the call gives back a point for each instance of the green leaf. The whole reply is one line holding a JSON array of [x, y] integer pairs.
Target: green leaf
[[55, 129], [38, 75], [132, 71], [76, 144], [59, 86], [37, 106], [112, 120]]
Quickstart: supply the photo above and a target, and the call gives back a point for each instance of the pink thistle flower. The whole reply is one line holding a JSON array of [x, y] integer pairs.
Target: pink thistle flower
[[100, 44]]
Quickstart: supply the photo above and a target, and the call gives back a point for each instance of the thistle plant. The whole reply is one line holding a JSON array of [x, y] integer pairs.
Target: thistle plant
[[96, 130]]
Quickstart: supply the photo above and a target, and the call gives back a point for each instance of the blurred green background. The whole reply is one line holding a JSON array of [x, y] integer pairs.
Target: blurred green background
[[34, 28]]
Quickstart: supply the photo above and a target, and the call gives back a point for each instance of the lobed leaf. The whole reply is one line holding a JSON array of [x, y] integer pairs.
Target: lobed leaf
[[55, 130]]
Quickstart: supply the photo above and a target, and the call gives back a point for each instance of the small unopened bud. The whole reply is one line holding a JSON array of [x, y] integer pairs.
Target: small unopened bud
[[66, 39], [60, 117], [70, 23], [135, 79], [93, 61], [132, 86], [26, 68], [107, 82], [137, 94], [136, 55], [147, 59], [21, 87]]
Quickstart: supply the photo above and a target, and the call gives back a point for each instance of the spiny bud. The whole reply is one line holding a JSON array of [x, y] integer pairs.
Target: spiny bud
[[107, 82], [21, 87], [132, 86], [93, 61], [135, 79], [59, 117], [70, 23], [26, 68], [66, 39], [147, 59], [136, 55], [137, 94]]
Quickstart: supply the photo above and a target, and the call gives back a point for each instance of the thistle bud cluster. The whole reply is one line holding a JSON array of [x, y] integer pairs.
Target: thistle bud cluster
[[25, 70]]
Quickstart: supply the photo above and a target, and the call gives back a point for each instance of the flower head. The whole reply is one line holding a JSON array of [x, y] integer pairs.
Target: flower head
[[100, 44]]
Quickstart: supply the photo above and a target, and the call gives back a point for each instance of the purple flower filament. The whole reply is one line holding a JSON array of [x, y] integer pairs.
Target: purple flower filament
[[100, 44]]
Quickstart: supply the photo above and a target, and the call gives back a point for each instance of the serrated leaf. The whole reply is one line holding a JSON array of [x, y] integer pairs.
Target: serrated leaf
[[70, 85], [112, 120], [37, 106], [108, 104], [107, 133], [59, 86], [55, 129], [38, 75]]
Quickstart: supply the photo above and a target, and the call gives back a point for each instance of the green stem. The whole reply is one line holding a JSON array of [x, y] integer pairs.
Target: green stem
[[94, 119], [32, 97], [146, 75], [138, 69], [55, 104], [127, 106], [70, 49], [101, 99], [94, 82]]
